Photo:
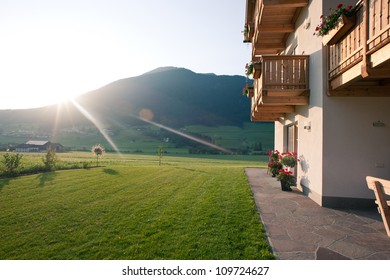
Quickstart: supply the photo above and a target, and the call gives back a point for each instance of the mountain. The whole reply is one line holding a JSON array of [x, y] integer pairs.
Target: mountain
[[176, 97], [173, 97]]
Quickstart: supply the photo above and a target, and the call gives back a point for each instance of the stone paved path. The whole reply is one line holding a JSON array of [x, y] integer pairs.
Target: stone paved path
[[298, 228]]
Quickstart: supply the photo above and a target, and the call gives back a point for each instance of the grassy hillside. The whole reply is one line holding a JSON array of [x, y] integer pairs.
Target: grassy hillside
[[209, 106], [133, 209]]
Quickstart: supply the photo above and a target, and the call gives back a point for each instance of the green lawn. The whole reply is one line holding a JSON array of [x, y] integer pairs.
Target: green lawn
[[132, 208]]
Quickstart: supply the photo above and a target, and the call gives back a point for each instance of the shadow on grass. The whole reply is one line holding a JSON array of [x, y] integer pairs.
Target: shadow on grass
[[110, 171], [192, 170], [4, 182], [45, 178]]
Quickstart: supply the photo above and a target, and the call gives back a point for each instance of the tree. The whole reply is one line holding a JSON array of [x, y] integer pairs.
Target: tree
[[50, 159], [98, 150], [160, 153]]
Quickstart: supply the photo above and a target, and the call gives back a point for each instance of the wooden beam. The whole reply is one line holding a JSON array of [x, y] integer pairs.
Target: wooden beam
[[264, 48], [371, 91], [264, 120], [261, 118], [284, 100], [277, 109], [267, 45], [280, 28], [269, 115], [378, 73], [286, 3]]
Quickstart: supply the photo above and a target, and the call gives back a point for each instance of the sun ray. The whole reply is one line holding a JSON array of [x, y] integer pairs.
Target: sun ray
[[96, 123], [198, 140]]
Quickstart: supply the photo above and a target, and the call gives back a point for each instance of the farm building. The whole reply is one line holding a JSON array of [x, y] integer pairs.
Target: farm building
[[39, 146]]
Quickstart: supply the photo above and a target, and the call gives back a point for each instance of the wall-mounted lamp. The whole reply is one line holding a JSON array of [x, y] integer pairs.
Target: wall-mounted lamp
[[307, 126], [307, 23], [378, 124]]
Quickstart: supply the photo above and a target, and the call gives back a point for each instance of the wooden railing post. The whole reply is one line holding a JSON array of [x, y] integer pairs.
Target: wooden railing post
[[365, 64]]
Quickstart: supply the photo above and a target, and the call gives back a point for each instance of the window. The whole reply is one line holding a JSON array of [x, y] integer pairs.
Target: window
[[292, 138]]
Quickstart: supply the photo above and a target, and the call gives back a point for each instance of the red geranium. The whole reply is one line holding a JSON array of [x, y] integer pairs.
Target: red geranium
[[330, 22]]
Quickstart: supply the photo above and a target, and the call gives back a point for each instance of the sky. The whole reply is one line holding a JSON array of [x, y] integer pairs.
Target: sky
[[53, 50]]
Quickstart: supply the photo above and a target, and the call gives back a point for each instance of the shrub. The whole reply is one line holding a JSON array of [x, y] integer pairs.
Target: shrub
[[50, 160], [12, 163]]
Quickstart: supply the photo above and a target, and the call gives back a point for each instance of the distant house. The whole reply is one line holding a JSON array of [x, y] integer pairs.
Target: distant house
[[39, 147]]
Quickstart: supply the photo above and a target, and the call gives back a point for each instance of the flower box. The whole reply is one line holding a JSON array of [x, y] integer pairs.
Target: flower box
[[251, 92], [248, 90], [246, 37], [343, 26], [256, 70]]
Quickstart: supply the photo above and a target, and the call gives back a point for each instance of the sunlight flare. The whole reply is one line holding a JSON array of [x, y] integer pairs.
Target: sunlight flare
[[96, 123], [185, 135]]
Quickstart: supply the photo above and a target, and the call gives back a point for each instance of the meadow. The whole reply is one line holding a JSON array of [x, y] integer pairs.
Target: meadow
[[130, 207]]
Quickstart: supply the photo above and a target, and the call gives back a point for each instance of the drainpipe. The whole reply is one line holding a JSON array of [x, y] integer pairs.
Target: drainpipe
[[365, 64]]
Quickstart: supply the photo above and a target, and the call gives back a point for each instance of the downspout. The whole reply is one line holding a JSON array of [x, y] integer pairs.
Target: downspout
[[365, 64]]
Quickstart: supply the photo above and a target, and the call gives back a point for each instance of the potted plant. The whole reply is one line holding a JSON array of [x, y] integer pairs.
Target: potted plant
[[289, 159], [246, 34], [253, 68], [336, 24], [248, 90], [274, 167], [274, 164], [287, 179]]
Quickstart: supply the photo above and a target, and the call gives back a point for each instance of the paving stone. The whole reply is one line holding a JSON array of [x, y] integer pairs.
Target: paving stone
[[354, 228], [296, 256], [308, 237], [286, 245], [340, 229], [379, 256], [268, 218], [327, 254], [351, 250], [275, 229], [331, 233], [316, 220], [373, 240]]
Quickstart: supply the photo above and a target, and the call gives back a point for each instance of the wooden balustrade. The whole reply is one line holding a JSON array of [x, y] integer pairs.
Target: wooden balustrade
[[285, 74], [361, 53], [284, 83]]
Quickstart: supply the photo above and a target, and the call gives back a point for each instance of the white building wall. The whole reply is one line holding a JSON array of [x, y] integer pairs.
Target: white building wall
[[342, 146], [310, 144], [354, 146]]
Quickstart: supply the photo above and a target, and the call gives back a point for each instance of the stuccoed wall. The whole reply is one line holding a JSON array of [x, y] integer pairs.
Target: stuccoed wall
[[310, 144], [353, 146]]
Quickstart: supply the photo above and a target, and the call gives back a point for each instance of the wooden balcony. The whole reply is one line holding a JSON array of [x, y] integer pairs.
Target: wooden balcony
[[359, 63], [283, 84], [270, 23]]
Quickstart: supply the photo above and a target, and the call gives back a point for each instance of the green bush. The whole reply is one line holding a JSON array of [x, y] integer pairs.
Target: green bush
[[12, 163], [50, 160]]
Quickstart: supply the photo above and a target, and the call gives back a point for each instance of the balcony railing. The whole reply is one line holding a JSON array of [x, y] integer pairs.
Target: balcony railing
[[283, 83], [353, 57], [285, 73]]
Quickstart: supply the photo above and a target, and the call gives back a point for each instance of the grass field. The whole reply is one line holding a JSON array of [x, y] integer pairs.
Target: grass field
[[132, 208], [144, 139]]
